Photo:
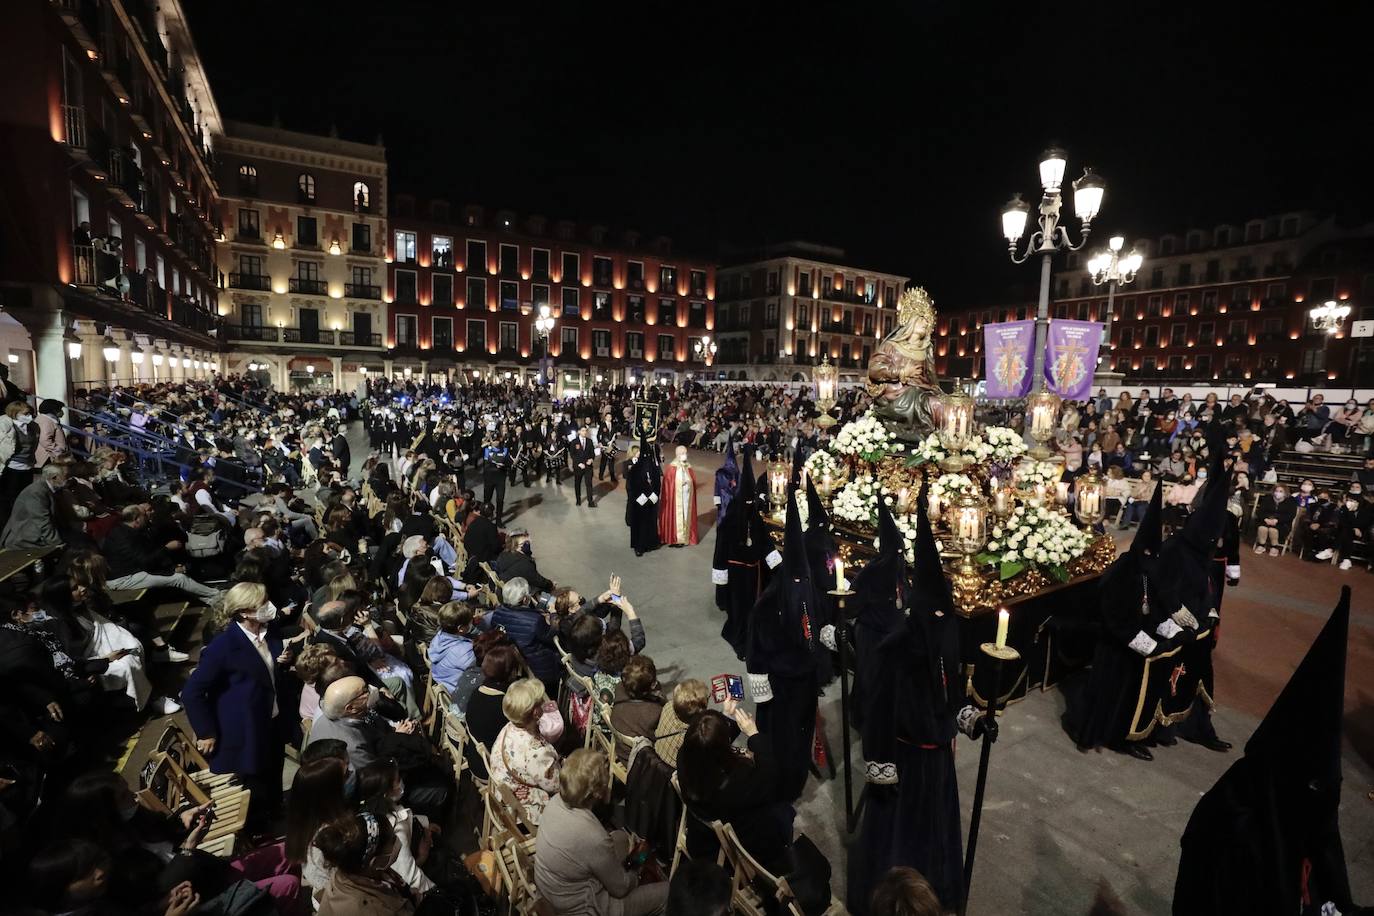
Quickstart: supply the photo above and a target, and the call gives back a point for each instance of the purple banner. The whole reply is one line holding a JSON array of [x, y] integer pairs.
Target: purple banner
[[1008, 352], [1071, 358]]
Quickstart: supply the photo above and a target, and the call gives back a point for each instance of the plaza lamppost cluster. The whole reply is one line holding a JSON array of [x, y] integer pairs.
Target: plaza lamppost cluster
[[827, 376], [1051, 237], [1114, 269], [706, 349], [1329, 316]]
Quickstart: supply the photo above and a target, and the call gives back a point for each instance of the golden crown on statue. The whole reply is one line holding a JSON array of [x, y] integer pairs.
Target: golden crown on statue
[[916, 305]]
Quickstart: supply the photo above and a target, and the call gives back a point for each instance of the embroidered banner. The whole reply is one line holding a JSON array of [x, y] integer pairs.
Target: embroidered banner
[[1008, 349], [1071, 358]]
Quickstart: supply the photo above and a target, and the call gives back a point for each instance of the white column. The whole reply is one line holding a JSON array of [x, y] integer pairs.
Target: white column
[[283, 373], [124, 367], [51, 370], [388, 367], [337, 366]]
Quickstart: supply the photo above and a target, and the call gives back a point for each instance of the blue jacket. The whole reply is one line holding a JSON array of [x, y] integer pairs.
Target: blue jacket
[[449, 656], [532, 635], [229, 696]]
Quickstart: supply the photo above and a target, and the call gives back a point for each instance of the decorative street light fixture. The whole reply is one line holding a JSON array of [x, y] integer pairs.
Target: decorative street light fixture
[[1051, 237], [1329, 316], [110, 349], [827, 378], [1112, 268], [706, 349]]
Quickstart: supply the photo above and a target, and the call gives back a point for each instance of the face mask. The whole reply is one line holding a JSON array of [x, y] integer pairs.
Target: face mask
[[1279, 497], [266, 614], [1201, 475], [526, 549], [1306, 488], [1352, 505], [399, 791], [40, 616], [23, 419]]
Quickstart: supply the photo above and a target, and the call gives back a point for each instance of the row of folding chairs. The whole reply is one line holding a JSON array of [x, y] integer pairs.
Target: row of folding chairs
[[177, 775]]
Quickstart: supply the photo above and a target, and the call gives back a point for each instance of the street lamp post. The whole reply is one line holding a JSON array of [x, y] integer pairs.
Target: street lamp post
[[706, 349], [1051, 237], [543, 327], [1113, 269], [1329, 316]]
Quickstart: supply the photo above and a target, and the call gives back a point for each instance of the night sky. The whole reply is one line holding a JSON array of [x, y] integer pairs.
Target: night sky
[[896, 136]]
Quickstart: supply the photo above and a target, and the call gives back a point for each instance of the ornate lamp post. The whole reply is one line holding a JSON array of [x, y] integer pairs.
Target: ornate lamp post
[[543, 327], [1329, 316], [827, 378], [1051, 237], [706, 349], [779, 472], [967, 517], [1114, 269]]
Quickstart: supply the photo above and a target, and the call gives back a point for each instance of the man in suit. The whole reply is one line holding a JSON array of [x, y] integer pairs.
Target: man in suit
[[583, 454], [33, 520], [235, 696], [341, 453]]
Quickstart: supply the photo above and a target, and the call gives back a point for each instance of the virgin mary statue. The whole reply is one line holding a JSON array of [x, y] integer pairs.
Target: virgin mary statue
[[901, 374]]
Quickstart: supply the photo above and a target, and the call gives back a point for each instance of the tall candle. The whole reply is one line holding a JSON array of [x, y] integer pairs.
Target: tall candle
[[933, 507], [1003, 619], [903, 497], [1062, 493], [839, 573], [1001, 502]]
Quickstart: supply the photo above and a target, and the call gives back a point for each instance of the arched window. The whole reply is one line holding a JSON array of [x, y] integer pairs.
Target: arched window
[[248, 180], [305, 186], [362, 198]]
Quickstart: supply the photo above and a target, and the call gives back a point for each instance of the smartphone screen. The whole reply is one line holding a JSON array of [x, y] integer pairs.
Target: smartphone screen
[[735, 685]]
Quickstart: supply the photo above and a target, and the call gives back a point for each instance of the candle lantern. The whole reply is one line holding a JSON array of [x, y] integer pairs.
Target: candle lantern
[[827, 377], [825, 485], [1042, 413], [1061, 493], [1090, 498], [778, 474], [1003, 503], [956, 428], [968, 529]]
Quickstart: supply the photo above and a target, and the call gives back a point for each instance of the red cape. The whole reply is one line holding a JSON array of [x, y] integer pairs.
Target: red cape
[[667, 507]]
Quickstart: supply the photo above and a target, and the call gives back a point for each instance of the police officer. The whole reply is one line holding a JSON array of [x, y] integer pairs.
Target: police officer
[[496, 463]]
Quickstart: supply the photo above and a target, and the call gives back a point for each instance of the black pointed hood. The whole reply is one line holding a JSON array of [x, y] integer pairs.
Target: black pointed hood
[[795, 480], [746, 478], [1149, 537], [1266, 838], [930, 587], [816, 516], [1204, 523], [794, 562]]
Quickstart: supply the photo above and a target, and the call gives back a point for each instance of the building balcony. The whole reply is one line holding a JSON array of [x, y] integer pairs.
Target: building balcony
[[252, 332], [308, 286], [362, 291], [261, 282], [354, 339], [308, 336]]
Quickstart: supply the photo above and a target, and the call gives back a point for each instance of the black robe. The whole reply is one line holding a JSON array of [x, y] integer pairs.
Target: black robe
[[781, 663], [643, 479], [907, 693], [740, 569]]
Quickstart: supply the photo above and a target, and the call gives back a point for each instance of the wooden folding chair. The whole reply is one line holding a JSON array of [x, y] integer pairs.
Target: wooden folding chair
[[169, 788], [497, 583], [680, 841], [605, 735], [748, 878]]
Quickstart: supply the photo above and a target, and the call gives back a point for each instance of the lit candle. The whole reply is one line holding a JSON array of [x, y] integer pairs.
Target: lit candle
[[1062, 493], [1001, 502], [903, 497], [839, 573], [1003, 619], [933, 507], [1087, 502], [1039, 494], [825, 483]]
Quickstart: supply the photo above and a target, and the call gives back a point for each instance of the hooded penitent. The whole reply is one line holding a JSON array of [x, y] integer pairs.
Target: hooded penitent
[[781, 659], [1266, 838], [727, 480], [742, 560], [1131, 596], [642, 485], [908, 691]]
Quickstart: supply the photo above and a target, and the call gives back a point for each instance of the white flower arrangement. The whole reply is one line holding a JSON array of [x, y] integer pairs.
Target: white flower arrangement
[[866, 438], [1035, 537], [947, 486], [821, 463], [857, 501], [929, 450], [1006, 444], [1031, 473]]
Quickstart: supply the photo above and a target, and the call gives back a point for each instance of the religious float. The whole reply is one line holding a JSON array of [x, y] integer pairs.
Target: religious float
[[1017, 540]]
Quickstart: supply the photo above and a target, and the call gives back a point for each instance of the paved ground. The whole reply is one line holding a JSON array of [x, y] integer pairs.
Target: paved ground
[[1056, 821]]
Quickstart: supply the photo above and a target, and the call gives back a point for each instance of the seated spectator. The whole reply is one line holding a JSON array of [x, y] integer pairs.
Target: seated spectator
[[136, 561], [690, 698], [1178, 501], [379, 792], [698, 889], [904, 891], [517, 562], [1275, 515], [501, 667], [73, 877], [529, 629], [611, 657], [316, 798], [720, 784], [474, 677], [33, 520], [357, 640], [361, 849], [1318, 527], [521, 759], [638, 703], [579, 867], [1173, 467], [450, 652]]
